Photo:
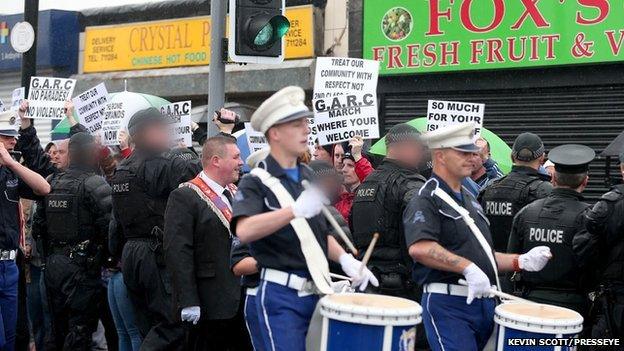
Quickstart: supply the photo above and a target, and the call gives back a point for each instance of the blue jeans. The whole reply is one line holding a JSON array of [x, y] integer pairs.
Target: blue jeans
[[453, 325], [284, 316], [9, 276], [123, 314], [38, 315]]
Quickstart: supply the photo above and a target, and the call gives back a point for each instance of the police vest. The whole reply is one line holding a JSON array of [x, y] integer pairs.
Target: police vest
[[614, 245], [69, 221], [377, 208], [138, 213], [502, 200], [553, 222]]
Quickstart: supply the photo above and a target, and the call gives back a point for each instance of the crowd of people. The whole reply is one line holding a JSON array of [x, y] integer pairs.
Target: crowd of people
[[169, 249]]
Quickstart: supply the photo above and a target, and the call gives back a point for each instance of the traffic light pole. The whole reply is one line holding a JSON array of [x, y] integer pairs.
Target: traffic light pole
[[216, 78], [29, 58]]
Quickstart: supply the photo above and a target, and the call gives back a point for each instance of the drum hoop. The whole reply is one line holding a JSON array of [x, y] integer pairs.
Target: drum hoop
[[539, 325], [371, 315]]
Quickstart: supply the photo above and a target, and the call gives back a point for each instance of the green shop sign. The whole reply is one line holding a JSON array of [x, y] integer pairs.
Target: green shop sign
[[414, 36]]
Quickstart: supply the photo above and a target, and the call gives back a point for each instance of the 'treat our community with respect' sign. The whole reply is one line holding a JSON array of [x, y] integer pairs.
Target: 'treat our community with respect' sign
[[344, 101]]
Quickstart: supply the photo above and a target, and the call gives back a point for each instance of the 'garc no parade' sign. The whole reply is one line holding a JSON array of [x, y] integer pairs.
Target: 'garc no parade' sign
[[410, 36]]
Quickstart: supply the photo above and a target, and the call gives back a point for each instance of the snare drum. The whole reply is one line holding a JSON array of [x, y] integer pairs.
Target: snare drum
[[526, 323], [368, 322]]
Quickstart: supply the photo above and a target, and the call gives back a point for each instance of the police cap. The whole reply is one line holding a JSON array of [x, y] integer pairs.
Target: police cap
[[527, 147], [571, 158], [143, 118], [8, 123], [402, 132]]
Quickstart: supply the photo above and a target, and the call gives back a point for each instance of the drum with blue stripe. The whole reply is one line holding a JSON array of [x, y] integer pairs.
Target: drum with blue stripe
[[532, 326], [361, 322]]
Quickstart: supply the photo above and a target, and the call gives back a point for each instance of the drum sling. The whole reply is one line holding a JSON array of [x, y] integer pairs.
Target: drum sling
[[473, 228], [312, 251]]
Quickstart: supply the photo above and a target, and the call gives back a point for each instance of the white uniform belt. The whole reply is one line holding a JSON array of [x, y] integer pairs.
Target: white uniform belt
[[252, 291], [286, 279], [8, 255], [446, 289]]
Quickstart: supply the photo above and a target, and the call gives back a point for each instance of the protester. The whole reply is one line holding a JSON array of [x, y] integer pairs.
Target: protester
[[323, 153], [197, 224], [351, 182], [262, 219], [554, 222], [444, 244], [141, 187]]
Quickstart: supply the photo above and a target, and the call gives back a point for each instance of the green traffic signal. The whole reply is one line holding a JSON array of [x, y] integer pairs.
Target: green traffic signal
[[266, 33]]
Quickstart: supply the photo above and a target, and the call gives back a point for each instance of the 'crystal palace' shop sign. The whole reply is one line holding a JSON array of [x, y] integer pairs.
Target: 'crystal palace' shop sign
[[413, 36]]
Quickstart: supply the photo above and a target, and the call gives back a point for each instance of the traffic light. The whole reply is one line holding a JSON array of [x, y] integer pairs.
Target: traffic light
[[257, 28]]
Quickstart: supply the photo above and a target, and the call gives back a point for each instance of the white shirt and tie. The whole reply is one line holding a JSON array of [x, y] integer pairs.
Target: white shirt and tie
[[224, 193]]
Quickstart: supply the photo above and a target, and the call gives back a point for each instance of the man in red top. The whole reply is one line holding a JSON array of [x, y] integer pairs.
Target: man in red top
[[350, 181]]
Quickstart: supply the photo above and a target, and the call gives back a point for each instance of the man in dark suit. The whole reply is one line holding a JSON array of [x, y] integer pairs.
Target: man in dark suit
[[197, 244]]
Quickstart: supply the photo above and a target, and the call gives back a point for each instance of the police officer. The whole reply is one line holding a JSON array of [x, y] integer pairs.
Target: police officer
[[141, 185], [604, 244], [76, 214], [448, 237], [504, 197], [553, 222], [16, 181], [281, 222], [378, 208]]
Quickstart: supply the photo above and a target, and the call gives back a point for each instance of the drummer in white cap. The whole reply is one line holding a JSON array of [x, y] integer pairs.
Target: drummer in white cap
[[448, 236], [281, 221]]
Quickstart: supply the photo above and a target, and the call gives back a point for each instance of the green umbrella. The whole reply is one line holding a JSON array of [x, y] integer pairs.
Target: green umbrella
[[500, 150], [139, 101]]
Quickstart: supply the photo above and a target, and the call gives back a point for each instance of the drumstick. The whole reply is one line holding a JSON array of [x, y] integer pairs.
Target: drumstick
[[334, 224], [338, 276], [500, 294], [369, 252]]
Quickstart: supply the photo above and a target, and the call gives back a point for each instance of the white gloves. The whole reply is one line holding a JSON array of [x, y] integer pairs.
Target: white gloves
[[535, 259], [191, 314], [351, 267], [478, 283], [309, 203]]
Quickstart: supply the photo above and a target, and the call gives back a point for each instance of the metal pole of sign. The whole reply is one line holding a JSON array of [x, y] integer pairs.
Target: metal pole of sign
[[29, 58], [216, 78]]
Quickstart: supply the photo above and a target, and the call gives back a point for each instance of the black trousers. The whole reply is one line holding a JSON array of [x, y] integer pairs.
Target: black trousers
[[73, 293], [149, 289]]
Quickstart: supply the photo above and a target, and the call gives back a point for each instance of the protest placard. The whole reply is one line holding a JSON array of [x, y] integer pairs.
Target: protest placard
[[312, 136], [344, 117], [255, 139], [113, 122], [341, 75], [89, 107], [47, 96], [179, 116], [17, 97], [443, 113]]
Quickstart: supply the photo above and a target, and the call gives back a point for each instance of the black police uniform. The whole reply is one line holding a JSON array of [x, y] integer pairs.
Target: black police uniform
[[504, 197], [427, 217], [141, 185], [74, 224], [378, 208], [552, 222], [603, 244]]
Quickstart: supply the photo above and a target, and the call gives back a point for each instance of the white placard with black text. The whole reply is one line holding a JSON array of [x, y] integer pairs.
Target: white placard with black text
[[256, 140], [47, 96], [90, 106], [444, 113], [17, 97], [179, 117], [113, 122]]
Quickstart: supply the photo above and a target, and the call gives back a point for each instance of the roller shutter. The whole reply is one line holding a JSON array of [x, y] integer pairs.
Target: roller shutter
[[590, 115]]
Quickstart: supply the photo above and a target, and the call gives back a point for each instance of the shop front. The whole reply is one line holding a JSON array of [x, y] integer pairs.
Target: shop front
[[549, 67]]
